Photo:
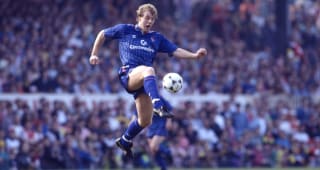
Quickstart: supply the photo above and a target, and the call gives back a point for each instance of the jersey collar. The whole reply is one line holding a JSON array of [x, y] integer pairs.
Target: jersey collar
[[136, 27]]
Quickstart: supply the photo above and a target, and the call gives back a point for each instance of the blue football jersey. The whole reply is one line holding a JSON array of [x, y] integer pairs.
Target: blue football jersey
[[136, 48]]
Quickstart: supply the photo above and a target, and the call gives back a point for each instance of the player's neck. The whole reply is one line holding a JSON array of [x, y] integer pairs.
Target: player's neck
[[141, 30]]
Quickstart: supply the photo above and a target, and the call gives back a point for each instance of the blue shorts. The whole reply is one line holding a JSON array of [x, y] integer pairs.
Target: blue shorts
[[158, 127], [123, 74]]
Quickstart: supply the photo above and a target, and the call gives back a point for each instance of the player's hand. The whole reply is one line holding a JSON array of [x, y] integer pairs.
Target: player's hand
[[201, 52], [94, 60]]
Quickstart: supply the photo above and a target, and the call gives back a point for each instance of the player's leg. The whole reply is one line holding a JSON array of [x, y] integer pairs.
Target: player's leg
[[157, 151], [145, 76], [155, 142], [144, 110]]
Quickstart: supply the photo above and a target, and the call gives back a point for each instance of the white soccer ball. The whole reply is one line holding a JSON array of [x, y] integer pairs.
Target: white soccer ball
[[172, 82]]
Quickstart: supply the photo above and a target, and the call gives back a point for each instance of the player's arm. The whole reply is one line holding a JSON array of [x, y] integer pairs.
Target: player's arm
[[114, 32], [169, 47], [94, 59], [182, 53]]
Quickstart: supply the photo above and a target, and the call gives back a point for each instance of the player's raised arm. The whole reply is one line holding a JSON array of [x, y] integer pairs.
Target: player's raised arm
[[94, 59], [182, 53]]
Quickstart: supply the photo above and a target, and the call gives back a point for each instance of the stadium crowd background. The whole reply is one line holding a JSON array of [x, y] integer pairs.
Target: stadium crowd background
[[45, 45]]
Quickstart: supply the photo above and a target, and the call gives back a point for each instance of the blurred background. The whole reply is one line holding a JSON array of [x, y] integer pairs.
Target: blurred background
[[252, 102]]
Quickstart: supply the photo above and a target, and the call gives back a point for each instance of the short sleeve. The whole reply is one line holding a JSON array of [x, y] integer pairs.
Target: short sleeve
[[114, 32], [166, 46]]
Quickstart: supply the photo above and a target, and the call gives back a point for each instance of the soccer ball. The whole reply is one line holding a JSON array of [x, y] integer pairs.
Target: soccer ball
[[172, 82]]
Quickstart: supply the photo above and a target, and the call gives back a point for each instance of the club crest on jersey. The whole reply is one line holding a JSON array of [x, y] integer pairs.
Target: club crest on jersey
[[143, 42]]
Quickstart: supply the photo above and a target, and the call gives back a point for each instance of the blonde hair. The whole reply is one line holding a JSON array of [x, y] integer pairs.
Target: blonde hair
[[147, 7]]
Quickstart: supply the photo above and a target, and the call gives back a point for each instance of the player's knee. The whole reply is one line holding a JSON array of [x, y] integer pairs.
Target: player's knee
[[149, 71]]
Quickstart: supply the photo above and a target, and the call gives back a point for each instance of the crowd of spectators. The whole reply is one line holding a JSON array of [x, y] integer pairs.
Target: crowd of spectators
[[57, 135], [45, 46], [47, 50]]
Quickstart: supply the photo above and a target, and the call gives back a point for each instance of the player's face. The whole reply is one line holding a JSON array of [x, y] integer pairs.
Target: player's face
[[146, 21]]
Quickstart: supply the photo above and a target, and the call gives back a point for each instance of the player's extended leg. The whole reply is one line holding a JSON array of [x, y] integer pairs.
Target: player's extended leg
[[157, 151], [144, 110], [145, 76]]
